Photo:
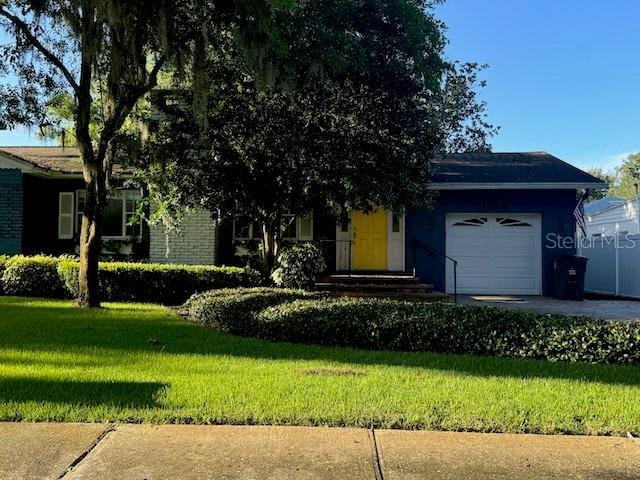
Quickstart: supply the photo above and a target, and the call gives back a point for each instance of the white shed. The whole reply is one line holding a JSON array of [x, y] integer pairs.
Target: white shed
[[611, 216]]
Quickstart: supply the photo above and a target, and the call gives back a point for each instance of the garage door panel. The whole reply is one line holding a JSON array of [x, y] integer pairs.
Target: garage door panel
[[501, 255], [478, 283], [515, 284], [507, 262], [466, 262], [523, 243], [461, 243]]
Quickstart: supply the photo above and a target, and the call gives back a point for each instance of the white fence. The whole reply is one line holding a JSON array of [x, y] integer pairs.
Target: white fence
[[614, 265]]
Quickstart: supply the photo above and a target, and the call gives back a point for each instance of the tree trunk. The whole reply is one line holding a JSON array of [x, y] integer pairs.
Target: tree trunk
[[270, 244], [88, 291], [90, 246], [201, 83]]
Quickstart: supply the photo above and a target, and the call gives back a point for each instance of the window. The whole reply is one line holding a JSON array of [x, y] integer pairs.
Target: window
[[290, 227], [65, 215], [80, 201], [512, 222], [112, 218], [130, 206], [295, 228], [305, 227], [395, 223], [471, 222], [118, 214], [243, 228]]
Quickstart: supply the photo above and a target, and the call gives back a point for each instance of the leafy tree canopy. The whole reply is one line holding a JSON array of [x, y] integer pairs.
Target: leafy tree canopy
[[623, 181], [356, 101], [628, 177], [609, 177], [93, 61]]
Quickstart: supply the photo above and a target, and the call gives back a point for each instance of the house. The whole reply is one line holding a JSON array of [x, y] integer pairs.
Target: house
[[41, 201], [612, 246], [501, 216], [611, 215]]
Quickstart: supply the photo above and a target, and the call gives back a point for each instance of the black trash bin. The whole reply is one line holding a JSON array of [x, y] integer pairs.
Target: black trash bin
[[569, 271]]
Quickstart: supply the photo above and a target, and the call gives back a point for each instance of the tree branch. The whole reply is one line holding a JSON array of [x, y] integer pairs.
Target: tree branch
[[153, 75], [49, 56], [122, 110]]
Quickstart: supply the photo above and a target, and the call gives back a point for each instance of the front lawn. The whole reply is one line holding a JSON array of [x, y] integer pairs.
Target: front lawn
[[143, 363]]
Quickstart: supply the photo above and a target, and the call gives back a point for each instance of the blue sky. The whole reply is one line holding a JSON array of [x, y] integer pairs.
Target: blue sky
[[564, 75]]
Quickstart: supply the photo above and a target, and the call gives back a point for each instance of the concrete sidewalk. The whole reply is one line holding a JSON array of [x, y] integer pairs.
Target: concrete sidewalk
[[136, 452]]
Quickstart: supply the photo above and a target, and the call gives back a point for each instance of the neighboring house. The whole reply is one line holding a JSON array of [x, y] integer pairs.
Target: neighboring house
[[41, 202], [611, 215], [500, 215], [612, 247]]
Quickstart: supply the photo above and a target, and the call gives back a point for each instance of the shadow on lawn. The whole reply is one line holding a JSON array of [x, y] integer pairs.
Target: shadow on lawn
[[58, 328], [86, 393]]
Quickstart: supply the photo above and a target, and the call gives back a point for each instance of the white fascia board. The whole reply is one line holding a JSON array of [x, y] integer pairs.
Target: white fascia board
[[12, 162], [514, 186]]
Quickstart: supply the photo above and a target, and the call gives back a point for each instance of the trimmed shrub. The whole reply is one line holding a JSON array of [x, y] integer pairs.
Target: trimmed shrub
[[298, 264], [440, 328], [332, 322], [35, 276], [3, 265], [156, 283], [232, 310]]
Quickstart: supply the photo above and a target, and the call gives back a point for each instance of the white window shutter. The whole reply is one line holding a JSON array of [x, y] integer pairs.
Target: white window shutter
[[65, 215]]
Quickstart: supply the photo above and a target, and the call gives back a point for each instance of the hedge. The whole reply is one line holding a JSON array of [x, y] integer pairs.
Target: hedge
[[230, 310], [3, 265], [35, 276], [157, 283], [421, 327]]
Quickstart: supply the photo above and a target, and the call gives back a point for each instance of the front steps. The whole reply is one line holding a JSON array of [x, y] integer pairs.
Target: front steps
[[384, 285]]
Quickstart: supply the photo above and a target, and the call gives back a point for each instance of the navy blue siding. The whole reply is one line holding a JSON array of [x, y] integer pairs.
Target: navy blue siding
[[428, 226], [41, 196], [10, 211]]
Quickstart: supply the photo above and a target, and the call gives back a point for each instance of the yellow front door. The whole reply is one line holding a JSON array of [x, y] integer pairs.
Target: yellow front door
[[369, 240]]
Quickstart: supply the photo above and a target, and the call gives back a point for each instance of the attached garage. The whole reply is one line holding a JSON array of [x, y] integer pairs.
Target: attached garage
[[503, 217], [496, 253]]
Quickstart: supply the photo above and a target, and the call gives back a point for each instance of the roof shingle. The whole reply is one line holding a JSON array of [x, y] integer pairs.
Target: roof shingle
[[457, 168], [53, 159], [490, 168]]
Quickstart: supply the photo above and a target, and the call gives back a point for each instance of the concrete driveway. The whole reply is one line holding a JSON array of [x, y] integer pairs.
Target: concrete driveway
[[624, 310]]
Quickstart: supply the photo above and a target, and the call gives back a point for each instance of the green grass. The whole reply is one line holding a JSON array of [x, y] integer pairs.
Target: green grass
[[143, 363]]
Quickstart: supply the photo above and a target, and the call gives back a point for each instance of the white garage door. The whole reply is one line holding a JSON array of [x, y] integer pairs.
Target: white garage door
[[496, 253]]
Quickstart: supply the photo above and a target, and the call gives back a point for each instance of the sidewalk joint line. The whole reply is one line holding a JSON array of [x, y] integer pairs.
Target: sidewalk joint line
[[84, 454], [375, 455]]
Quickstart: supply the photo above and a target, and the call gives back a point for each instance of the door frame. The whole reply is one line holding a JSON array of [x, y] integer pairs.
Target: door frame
[[344, 244]]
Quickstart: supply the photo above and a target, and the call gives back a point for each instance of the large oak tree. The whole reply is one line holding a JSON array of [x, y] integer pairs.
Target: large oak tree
[[72, 46]]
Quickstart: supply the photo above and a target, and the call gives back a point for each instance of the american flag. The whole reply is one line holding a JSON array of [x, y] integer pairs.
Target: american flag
[[578, 214]]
